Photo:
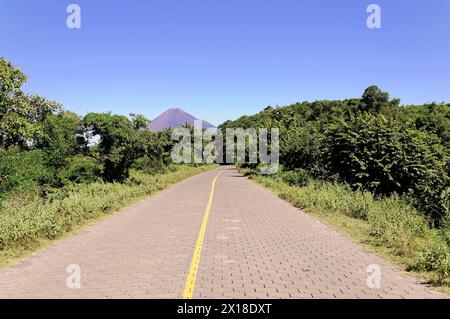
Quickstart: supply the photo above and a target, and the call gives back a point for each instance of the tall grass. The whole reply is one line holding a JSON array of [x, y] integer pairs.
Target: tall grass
[[391, 222], [23, 225]]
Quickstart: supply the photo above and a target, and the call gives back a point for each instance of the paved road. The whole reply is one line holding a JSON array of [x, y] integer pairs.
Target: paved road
[[255, 246]]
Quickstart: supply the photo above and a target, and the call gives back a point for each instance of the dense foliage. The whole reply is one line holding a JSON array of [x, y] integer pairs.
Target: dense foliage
[[59, 170], [383, 165], [24, 226], [367, 157], [44, 147], [385, 156], [371, 144]]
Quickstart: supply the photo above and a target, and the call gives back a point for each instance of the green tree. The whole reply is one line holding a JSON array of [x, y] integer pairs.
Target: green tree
[[61, 138], [139, 121], [373, 99], [21, 115], [120, 143], [11, 81]]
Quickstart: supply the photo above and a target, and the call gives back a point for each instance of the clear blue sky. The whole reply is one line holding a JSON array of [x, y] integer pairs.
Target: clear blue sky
[[219, 59]]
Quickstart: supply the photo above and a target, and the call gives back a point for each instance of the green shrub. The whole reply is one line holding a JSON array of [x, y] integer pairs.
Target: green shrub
[[323, 197], [432, 257], [298, 177], [80, 169], [386, 157], [21, 172], [149, 165], [435, 258], [395, 224], [391, 221], [22, 225], [301, 149]]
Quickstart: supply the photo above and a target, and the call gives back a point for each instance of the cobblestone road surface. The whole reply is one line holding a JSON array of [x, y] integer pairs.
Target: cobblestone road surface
[[256, 246]]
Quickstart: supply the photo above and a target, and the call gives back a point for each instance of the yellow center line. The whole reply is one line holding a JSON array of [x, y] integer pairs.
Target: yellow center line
[[192, 275]]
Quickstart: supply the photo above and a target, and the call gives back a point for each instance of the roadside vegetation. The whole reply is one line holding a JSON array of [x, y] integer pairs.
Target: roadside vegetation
[[59, 170], [371, 161], [27, 226], [368, 162]]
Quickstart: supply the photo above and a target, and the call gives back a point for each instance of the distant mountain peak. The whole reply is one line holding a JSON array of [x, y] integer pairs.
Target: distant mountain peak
[[174, 118], [174, 109]]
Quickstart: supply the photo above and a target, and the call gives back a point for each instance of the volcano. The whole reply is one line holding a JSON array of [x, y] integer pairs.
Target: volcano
[[174, 118]]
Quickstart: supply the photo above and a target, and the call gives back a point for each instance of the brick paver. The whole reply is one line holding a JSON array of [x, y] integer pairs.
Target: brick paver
[[256, 246], [259, 246]]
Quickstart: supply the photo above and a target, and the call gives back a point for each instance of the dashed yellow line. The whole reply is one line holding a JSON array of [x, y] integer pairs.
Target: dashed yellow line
[[192, 275]]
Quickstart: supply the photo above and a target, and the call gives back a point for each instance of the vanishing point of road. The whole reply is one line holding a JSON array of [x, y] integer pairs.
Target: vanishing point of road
[[215, 235]]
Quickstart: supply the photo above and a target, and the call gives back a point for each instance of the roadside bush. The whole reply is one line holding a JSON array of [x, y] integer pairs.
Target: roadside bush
[[435, 258], [80, 169], [396, 224], [391, 221], [297, 177], [323, 197], [385, 157], [301, 148], [24, 225], [149, 165], [21, 172]]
